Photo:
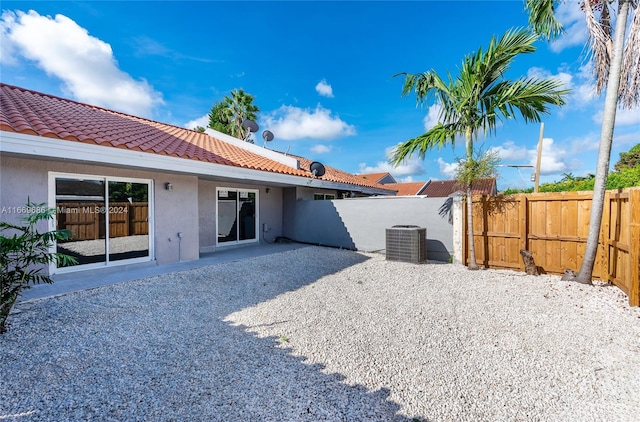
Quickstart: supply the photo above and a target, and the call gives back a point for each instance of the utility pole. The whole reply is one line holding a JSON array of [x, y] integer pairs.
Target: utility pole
[[537, 181]]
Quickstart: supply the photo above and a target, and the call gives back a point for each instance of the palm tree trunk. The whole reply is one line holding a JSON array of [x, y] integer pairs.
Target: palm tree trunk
[[473, 265], [604, 151]]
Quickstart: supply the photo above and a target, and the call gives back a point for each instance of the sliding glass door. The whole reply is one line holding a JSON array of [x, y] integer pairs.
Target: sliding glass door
[[108, 218], [78, 206], [237, 219], [128, 220]]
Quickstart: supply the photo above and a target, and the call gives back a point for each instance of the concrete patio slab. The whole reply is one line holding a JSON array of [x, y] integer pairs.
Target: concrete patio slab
[[73, 282]]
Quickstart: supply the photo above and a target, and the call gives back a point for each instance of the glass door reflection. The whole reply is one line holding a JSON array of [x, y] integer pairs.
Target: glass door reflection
[[128, 211], [80, 206]]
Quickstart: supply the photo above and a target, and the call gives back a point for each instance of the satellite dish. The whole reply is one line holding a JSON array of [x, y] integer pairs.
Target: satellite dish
[[267, 135], [250, 125], [317, 169]]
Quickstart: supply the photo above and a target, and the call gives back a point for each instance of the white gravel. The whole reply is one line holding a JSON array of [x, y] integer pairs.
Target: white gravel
[[324, 334]]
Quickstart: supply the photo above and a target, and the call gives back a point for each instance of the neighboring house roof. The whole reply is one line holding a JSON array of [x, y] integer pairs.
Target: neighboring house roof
[[383, 178], [444, 188], [29, 112], [407, 189]]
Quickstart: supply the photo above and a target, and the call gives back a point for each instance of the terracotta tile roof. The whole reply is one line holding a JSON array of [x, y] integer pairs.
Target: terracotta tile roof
[[407, 189], [335, 175], [444, 188], [33, 113]]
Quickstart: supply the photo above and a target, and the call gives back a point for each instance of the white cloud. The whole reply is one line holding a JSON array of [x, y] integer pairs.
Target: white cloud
[[433, 116], [573, 20], [538, 72], [324, 89], [200, 121], [510, 151], [584, 88], [589, 142], [580, 83], [407, 168], [321, 149], [85, 64], [624, 117], [553, 159], [412, 166], [447, 169], [292, 123]]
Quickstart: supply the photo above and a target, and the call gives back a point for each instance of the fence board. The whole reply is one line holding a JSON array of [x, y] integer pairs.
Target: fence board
[[554, 227], [87, 222]]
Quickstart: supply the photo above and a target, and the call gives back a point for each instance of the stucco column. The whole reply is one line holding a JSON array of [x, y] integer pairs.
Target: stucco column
[[457, 230]]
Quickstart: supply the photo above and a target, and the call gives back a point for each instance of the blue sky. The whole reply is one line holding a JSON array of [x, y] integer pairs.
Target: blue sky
[[321, 73]]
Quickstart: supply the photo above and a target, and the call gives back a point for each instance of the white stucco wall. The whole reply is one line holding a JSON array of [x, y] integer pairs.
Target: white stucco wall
[[360, 223], [269, 211], [174, 211]]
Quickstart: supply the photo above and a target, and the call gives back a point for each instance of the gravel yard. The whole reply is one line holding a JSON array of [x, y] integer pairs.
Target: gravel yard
[[325, 334]]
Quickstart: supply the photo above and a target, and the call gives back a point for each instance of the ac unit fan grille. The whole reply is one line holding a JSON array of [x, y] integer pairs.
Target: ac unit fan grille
[[406, 244]]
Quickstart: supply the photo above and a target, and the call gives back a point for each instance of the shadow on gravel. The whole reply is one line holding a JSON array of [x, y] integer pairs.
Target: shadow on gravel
[[159, 349]]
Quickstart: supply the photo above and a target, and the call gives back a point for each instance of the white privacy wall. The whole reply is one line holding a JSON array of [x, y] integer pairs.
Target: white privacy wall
[[360, 223]]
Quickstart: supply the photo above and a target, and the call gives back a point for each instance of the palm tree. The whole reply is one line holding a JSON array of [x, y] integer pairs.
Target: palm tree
[[477, 99], [227, 115], [616, 69], [217, 119]]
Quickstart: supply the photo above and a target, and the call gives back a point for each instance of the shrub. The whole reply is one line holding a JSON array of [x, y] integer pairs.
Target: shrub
[[24, 253]]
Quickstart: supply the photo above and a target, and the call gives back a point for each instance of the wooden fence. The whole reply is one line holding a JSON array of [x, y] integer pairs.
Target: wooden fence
[[554, 228], [86, 220]]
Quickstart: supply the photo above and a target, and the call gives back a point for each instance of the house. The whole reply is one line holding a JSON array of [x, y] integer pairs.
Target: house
[[383, 178], [133, 190], [445, 188], [402, 189], [432, 188], [407, 188]]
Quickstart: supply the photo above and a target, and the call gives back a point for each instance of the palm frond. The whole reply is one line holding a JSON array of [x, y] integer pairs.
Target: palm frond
[[600, 46], [425, 85], [530, 96], [630, 77], [436, 137], [478, 97], [542, 18]]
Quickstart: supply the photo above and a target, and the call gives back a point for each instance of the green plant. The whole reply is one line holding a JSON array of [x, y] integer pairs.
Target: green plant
[[24, 253], [477, 100]]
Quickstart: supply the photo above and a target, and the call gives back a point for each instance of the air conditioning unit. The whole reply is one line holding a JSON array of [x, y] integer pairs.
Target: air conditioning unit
[[406, 244]]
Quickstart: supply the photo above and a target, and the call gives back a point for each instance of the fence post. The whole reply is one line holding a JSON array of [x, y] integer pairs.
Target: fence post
[[485, 231], [604, 238], [634, 240], [524, 225]]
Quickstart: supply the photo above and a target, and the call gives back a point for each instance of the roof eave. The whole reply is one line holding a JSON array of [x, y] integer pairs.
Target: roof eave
[[42, 147]]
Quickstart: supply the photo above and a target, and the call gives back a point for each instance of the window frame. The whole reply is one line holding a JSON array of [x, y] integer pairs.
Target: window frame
[[53, 269], [257, 216], [324, 196]]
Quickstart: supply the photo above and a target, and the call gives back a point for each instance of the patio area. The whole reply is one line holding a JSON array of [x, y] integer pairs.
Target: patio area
[[315, 333], [83, 280]]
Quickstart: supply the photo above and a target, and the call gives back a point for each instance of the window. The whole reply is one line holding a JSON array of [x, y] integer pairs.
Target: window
[[323, 196], [237, 218], [108, 218]]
